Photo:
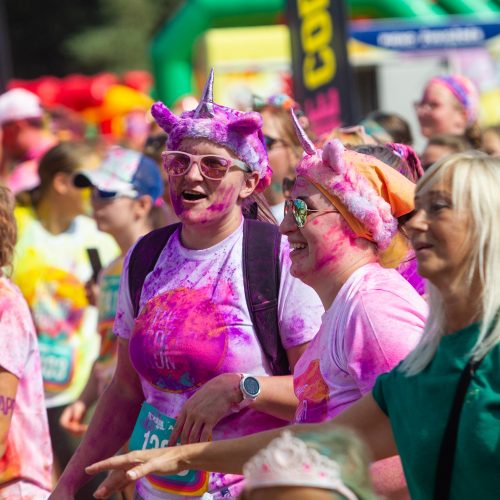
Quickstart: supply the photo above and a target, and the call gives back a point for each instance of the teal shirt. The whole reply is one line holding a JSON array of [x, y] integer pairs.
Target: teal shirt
[[418, 408]]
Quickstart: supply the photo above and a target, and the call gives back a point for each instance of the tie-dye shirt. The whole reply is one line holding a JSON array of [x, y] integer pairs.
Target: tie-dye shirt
[[51, 271], [194, 324], [26, 464], [376, 319]]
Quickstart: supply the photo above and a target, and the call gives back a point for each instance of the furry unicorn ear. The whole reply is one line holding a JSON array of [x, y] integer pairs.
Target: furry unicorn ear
[[246, 124], [333, 156], [164, 117]]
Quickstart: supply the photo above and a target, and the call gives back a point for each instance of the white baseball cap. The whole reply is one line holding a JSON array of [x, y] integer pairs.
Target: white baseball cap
[[19, 104]]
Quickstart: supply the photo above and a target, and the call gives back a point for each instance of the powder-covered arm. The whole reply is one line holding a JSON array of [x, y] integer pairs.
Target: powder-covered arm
[[16, 342], [8, 390], [229, 456]]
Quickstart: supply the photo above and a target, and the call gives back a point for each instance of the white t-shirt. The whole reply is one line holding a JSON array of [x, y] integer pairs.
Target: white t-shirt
[[194, 324]]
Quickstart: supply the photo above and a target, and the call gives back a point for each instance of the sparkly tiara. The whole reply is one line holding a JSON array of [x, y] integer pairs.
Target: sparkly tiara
[[288, 461]]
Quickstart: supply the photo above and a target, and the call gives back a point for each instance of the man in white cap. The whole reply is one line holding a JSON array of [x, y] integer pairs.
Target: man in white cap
[[25, 139]]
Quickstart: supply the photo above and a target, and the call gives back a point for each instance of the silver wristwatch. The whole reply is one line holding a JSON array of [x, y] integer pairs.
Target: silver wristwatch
[[250, 389]]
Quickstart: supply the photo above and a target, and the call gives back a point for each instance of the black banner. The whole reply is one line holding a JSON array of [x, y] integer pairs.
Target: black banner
[[5, 59], [322, 78]]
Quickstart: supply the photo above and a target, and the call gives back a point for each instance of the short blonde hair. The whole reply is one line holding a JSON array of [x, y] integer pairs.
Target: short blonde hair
[[475, 186]]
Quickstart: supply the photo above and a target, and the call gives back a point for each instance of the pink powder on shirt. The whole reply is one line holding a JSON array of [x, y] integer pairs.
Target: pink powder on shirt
[[163, 333]]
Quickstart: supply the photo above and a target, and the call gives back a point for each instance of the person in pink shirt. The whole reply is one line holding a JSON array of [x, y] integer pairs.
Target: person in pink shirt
[[345, 241], [25, 450]]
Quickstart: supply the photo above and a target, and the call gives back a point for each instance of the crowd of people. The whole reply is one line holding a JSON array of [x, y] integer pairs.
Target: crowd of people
[[237, 308]]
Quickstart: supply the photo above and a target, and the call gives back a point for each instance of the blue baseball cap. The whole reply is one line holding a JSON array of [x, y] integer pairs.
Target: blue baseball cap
[[126, 172]]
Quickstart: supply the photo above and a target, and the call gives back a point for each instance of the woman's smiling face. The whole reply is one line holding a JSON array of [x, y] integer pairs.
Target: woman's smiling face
[[439, 234], [322, 242]]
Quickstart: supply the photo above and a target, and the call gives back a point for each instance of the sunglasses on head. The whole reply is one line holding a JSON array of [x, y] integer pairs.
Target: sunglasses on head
[[299, 210], [213, 167]]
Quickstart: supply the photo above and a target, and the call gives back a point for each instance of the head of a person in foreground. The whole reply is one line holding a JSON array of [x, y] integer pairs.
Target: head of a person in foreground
[[456, 237], [215, 158], [343, 212], [331, 465]]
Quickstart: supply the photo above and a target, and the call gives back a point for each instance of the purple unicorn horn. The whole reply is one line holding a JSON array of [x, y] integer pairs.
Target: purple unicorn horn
[[205, 107], [305, 142]]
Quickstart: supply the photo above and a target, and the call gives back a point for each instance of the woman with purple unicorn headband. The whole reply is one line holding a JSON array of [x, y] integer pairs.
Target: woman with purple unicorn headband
[[195, 360], [342, 226]]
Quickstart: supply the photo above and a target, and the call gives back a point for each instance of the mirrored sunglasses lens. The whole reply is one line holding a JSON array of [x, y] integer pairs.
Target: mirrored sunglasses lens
[[299, 212], [176, 163], [214, 167]]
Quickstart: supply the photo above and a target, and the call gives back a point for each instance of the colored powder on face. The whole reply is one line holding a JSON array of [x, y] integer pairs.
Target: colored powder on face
[[333, 246], [180, 339], [175, 199], [225, 197]]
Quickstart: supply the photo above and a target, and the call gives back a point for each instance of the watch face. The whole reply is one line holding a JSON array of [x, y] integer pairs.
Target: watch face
[[251, 386]]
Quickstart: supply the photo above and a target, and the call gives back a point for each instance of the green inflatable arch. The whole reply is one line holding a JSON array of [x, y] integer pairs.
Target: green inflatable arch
[[172, 47]]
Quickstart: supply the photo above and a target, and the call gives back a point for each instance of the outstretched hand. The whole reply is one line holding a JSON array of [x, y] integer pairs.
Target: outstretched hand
[[132, 466], [205, 408]]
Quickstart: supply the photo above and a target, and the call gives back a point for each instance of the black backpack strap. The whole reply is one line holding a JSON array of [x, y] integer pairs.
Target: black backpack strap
[[446, 457], [143, 260], [261, 277]]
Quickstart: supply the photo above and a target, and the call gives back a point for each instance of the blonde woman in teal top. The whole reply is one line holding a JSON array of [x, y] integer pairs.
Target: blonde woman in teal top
[[456, 237]]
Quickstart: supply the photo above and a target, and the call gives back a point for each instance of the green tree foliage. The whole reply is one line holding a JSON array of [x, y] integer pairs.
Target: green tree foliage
[[57, 37], [121, 41]]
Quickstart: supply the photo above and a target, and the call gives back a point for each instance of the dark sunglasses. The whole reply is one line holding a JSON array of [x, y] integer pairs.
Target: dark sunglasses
[[299, 210], [271, 142], [213, 167]]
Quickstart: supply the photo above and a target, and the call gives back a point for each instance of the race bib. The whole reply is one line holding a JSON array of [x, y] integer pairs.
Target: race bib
[[153, 430], [57, 364]]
